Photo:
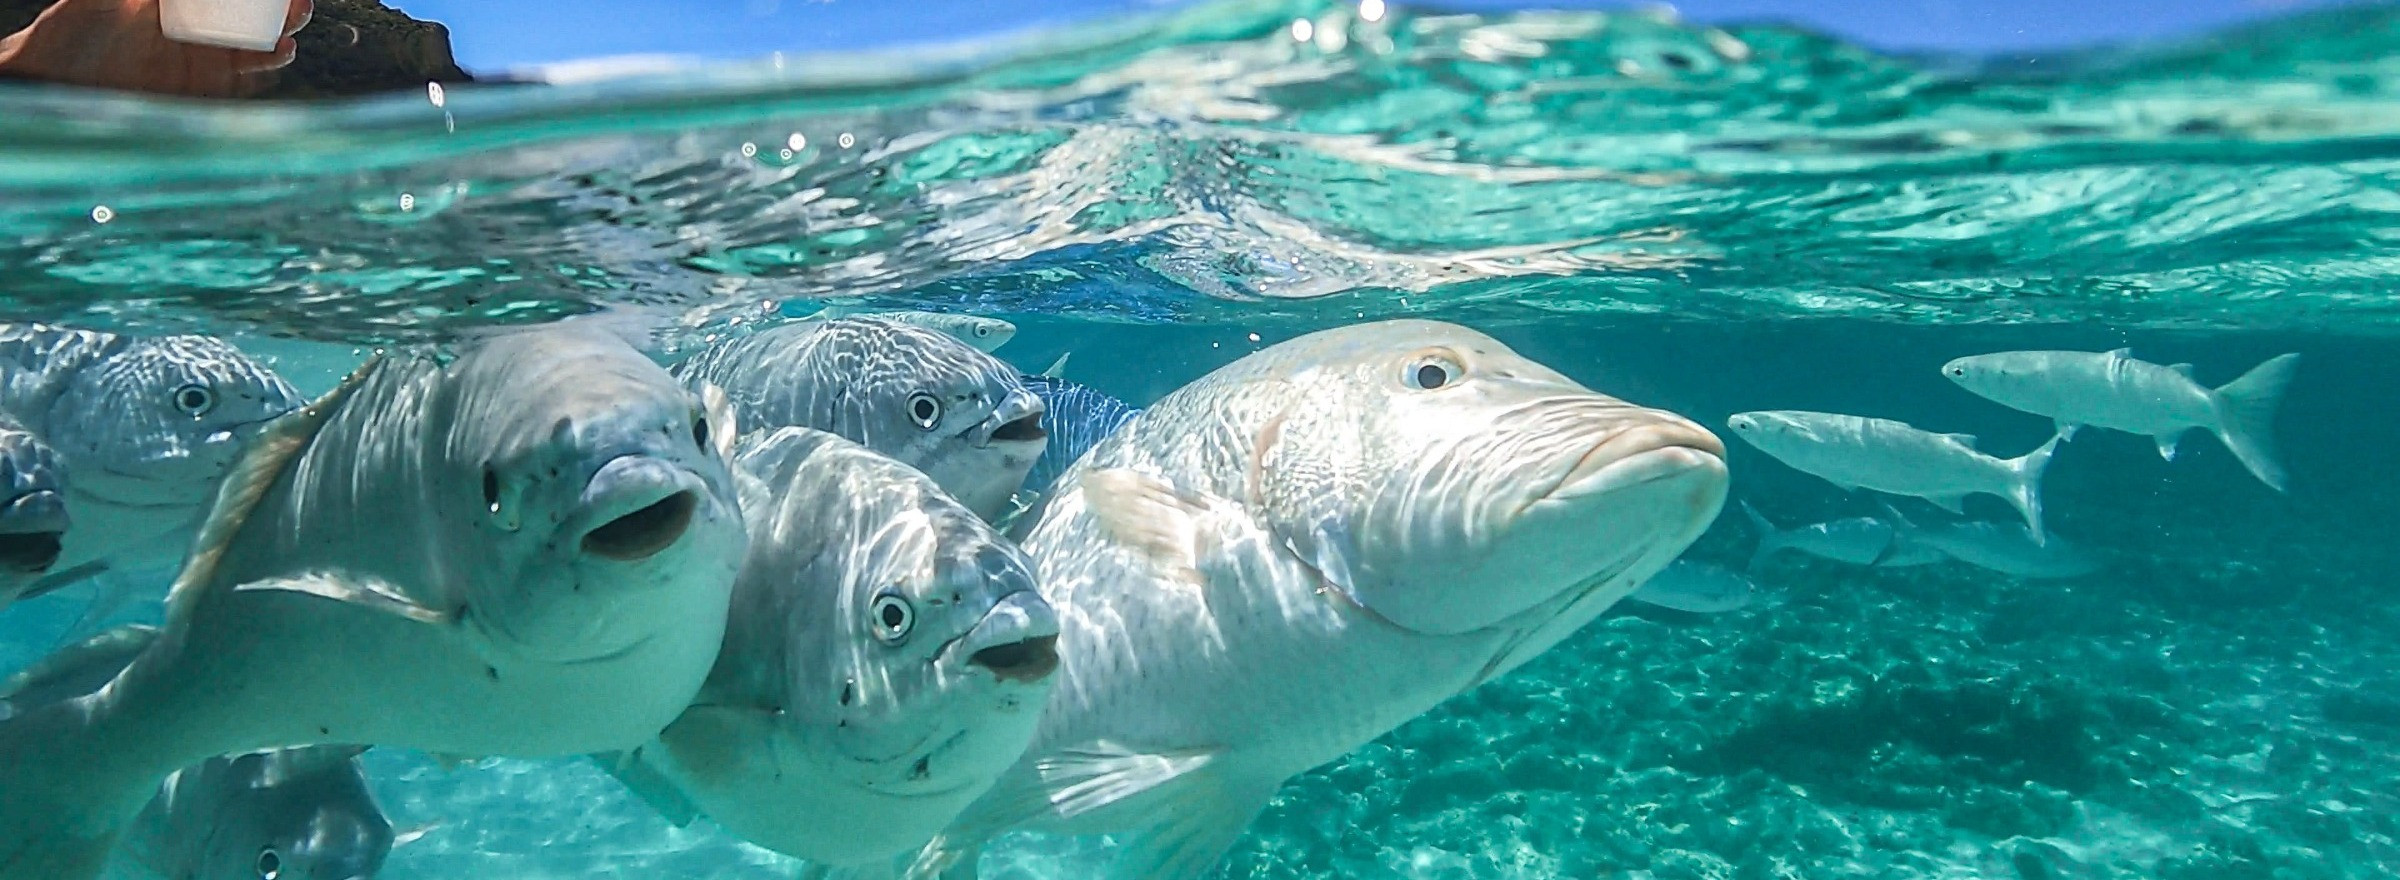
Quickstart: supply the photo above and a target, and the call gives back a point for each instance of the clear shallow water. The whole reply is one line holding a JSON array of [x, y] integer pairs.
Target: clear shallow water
[[1649, 207]]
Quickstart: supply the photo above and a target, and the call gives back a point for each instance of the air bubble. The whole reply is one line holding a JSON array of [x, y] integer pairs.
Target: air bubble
[[797, 142], [433, 92], [1253, 337], [749, 150], [1303, 29], [785, 154], [1371, 10], [408, 202], [846, 141], [103, 214]]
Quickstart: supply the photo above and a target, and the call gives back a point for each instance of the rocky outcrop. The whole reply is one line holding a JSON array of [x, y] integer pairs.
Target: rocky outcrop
[[351, 47]]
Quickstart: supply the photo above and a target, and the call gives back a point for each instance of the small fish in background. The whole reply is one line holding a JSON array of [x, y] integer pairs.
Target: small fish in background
[[1698, 588], [985, 334], [302, 813], [1077, 417], [111, 446], [2002, 547], [923, 398], [1855, 540], [2113, 390], [1857, 452]]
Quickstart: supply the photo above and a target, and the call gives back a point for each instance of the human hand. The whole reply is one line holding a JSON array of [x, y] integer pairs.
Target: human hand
[[117, 44]]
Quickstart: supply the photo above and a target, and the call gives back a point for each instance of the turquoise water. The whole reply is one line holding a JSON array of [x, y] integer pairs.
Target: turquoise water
[[1704, 220]]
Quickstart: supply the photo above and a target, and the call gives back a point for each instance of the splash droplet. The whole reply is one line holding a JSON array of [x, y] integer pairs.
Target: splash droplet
[[797, 142], [103, 213], [433, 92], [1253, 337], [1371, 10], [408, 202], [846, 141], [1303, 29]]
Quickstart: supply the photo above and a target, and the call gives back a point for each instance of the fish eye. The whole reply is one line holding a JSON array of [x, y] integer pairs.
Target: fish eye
[[700, 430], [894, 617], [924, 410], [1432, 371], [270, 865], [983, 330], [491, 490], [1958, 371], [195, 400]]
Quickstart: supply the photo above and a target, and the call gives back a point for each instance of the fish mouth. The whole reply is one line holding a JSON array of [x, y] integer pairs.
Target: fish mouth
[[1018, 419], [32, 529], [1026, 661], [1016, 641], [642, 506], [1633, 457]]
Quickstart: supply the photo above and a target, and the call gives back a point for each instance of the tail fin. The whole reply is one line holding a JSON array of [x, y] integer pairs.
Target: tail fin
[[1770, 538], [2246, 416], [2026, 489]]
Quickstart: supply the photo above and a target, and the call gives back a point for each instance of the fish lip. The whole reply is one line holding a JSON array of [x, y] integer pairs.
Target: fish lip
[[1642, 454], [1018, 419], [632, 485], [1021, 620]]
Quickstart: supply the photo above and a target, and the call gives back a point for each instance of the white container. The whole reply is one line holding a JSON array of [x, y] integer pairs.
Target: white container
[[255, 25]]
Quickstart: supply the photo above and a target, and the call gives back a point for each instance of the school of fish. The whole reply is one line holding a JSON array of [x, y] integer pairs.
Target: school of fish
[[859, 592]]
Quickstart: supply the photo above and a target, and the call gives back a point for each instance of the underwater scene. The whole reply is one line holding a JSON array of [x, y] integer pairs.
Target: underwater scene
[[1244, 439]]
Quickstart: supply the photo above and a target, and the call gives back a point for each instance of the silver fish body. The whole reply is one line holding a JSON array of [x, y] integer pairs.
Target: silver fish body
[[302, 813], [887, 658], [523, 550], [1308, 547], [1857, 452], [2114, 390], [1697, 588], [921, 397], [985, 334]]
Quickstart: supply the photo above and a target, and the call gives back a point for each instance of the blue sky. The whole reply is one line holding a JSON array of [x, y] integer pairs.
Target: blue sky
[[497, 34]]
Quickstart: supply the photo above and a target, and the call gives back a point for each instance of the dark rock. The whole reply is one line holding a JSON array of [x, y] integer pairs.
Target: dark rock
[[351, 47]]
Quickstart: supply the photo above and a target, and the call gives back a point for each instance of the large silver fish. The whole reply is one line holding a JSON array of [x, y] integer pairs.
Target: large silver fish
[[111, 446], [921, 397], [1857, 452], [1857, 540], [523, 550], [887, 657], [1308, 547], [2113, 390], [301, 813]]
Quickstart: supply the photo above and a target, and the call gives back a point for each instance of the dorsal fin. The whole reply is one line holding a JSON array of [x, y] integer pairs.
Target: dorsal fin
[[2121, 352], [1058, 368], [246, 483]]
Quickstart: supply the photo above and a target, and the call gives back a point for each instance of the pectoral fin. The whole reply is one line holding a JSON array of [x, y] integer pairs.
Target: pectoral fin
[[359, 592]]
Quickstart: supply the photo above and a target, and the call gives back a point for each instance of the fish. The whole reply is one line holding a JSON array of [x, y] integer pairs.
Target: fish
[[111, 446], [523, 546], [2113, 390], [2006, 548], [888, 657], [921, 397], [302, 813], [1698, 588], [1857, 452], [985, 334], [1306, 548], [1857, 540], [1076, 417]]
